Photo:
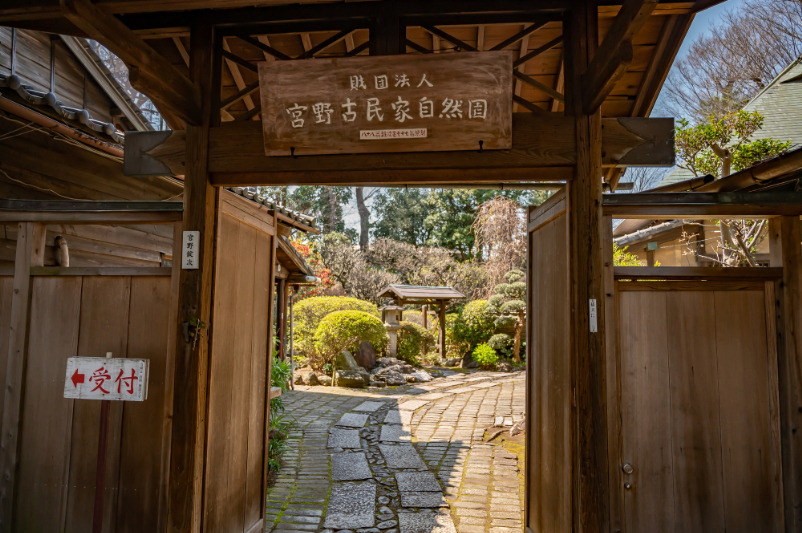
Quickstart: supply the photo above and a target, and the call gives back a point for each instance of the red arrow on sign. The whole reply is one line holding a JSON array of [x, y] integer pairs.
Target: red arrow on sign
[[77, 378]]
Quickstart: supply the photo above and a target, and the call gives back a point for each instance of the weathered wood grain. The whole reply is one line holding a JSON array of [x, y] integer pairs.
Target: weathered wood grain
[[387, 93]]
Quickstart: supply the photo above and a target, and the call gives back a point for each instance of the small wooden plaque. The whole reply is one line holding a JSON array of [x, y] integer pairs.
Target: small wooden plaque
[[404, 103]]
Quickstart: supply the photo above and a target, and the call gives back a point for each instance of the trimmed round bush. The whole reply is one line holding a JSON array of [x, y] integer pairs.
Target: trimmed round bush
[[502, 343], [413, 341], [344, 330], [476, 323], [485, 356], [308, 313], [455, 346]]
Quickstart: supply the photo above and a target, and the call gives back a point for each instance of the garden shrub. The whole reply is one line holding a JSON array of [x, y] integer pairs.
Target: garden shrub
[[413, 342], [476, 324], [485, 356], [280, 423], [455, 346], [344, 330], [308, 313], [502, 343]]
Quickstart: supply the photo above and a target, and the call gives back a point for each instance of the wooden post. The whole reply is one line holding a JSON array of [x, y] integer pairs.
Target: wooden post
[[590, 475], [30, 252], [784, 247], [424, 316], [442, 321], [281, 310], [194, 303]]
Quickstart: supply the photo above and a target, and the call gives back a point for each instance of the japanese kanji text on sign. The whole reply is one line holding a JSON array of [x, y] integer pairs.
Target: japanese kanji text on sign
[[409, 103], [99, 378]]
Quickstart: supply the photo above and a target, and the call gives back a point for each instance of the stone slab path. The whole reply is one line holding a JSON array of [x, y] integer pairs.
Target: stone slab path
[[409, 459]]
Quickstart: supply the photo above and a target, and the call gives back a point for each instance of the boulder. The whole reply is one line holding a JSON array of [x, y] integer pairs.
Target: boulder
[[470, 363], [422, 376], [377, 384], [393, 379], [325, 380], [410, 378], [365, 356], [311, 379], [299, 379], [350, 378], [345, 361], [384, 362], [452, 362], [504, 366]]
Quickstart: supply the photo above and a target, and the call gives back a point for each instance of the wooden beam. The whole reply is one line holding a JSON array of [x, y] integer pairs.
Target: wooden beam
[[701, 205], [233, 68], [480, 38], [155, 76], [538, 142], [264, 47], [187, 451], [518, 87], [537, 51], [539, 86], [101, 271], [528, 29], [358, 50], [30, 252], [615, 53], [239, 61], [325, 44], [534, 108], [415, 46], [698, 273], [450, 38]]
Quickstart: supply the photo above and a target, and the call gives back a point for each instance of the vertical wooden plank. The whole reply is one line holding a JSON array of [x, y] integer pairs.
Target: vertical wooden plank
[[774, 401], [143, 424], [549, 444], [441, 314], [281, 309], [187, 454], [6, 291], [169, 386], [612, 371], [229, 378], [591, 502], [29, 252], [784, 247], [645, 405], [750, 490], [695, 423], [47, 418], [259, 380], [103, 328]]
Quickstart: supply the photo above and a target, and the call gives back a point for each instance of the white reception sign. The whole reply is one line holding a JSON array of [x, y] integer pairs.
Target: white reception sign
[[100, 378]]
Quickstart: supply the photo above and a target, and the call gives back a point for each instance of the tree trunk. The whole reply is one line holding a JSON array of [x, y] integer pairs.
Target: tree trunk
[[364, 219], [332, 221], [519, 326]]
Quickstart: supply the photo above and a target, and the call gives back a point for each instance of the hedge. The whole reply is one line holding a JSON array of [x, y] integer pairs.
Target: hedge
[[344, 330], [413, 341]]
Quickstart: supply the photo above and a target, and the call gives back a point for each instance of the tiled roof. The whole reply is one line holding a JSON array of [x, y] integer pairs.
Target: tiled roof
[[74, 117], [251, 194], [780, 103], [289, 248], [420, 292]]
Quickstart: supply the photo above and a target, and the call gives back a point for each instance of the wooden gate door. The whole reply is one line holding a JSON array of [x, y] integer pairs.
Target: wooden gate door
[[548, 461], [700, 449]]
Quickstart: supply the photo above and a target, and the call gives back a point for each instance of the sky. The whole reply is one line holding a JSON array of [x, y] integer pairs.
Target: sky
[[701, 24]]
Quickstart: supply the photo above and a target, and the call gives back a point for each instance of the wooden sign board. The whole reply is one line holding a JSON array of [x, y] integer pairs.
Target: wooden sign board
[[404, 103], [101, 378]]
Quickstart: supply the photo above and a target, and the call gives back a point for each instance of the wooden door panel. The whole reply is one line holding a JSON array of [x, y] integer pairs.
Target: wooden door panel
[[646, 436], [696, 442], [751, 469]]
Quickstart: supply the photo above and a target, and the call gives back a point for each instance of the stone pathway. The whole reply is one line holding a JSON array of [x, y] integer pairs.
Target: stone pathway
[[408, 459]]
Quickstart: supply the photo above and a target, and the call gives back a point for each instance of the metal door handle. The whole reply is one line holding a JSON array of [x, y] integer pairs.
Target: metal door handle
[[628, 468]]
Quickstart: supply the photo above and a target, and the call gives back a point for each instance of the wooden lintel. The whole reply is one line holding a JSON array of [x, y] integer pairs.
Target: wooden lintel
[[614, 54], [698, 273], [55, 212], [101, 271], [156, 76], [699, 205], [542, 150]]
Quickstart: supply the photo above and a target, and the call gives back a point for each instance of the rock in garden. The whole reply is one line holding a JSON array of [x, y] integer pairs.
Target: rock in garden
[[410, 378], [469, 363], [393, 379], [350, 378], [422, 376], [453, 362], [387, 524], [503, 366], [365, 356], [325, 380], [377, 384], [311, 379], [299, 379]]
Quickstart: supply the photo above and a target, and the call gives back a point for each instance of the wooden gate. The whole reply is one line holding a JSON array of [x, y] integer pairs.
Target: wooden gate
[[548, 460], [700, 431]]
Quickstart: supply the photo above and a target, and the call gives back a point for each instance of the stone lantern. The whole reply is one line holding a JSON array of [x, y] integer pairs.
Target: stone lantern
[[392, 323]]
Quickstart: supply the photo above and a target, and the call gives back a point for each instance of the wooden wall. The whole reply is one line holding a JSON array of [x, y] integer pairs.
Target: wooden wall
[[74, 86], [89, 316], [549, 457], [239, 367]]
